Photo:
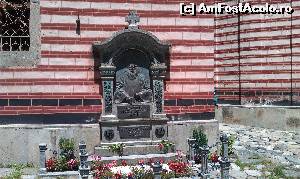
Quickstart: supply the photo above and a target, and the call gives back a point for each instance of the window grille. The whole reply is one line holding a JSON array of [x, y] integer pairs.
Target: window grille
[[14, 22]]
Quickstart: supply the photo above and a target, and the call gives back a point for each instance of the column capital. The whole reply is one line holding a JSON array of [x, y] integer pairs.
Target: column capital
[[158, 71], [43, 147], [107, 72]]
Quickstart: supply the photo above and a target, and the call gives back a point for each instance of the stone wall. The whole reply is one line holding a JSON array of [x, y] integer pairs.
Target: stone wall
[[179, 131], [274, 117], [67, 81], [19, 143]]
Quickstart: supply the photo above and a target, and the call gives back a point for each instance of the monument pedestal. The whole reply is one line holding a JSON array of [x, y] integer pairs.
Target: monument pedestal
[[141, 137]]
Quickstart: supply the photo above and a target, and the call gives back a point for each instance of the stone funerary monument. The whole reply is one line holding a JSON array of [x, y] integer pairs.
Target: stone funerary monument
[[133, 66]]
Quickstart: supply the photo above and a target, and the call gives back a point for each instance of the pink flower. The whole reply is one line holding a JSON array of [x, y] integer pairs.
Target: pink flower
[[96, 157], [112, 164], [72, 164]]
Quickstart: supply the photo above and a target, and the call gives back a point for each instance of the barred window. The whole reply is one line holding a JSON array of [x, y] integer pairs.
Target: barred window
[[19, 32], [14, 20]]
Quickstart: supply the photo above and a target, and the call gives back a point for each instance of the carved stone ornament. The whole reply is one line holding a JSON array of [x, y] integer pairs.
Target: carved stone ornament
[[109, 134], [132, 87], [160, 132]]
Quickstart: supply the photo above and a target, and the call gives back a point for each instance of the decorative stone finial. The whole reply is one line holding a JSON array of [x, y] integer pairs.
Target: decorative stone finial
[[132, 20]]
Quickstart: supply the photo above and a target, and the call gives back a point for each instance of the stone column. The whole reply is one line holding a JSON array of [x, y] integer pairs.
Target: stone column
[[43, 148], [191, 143], [224, 162], [158, 72], [107, 76], [157, 168], [204, 163], [84, 169]]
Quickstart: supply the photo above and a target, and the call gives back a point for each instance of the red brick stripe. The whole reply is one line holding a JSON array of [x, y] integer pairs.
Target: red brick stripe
[[119, 12], [86, 40], [95, 27]]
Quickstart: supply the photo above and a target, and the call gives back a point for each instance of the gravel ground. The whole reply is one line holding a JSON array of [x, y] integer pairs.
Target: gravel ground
[[264, 153]]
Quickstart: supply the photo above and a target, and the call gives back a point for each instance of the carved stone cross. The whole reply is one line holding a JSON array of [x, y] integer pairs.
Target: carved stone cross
[[132, 20]]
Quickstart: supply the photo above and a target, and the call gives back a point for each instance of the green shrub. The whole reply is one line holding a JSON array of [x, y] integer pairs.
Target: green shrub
[[67, 147], [278, 172], [201, 139], [231, 140], [117, 148], [61, 164]]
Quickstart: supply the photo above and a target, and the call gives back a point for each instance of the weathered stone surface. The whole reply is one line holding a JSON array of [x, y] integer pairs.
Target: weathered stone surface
[[4, 171], [254, 173], [185, 129], [261, 116], [23, 138]]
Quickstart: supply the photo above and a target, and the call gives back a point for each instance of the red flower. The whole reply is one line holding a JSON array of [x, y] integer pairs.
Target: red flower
[[214, 157], [50, 164], [178, 167], [130, 175], [124, 163], [141, 162], [118, 175], [150, 161], [160, 146]]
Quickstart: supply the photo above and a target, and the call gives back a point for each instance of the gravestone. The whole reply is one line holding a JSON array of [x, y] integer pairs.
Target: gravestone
[[133, 67]]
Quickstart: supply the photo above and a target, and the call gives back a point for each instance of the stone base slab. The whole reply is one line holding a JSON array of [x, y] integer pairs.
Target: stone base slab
[[132, 131], [130, 150], [63, 175], [133, 159]]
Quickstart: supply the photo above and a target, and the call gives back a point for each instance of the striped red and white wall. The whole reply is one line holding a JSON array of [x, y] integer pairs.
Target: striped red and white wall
[[64, 82], [264, 63]]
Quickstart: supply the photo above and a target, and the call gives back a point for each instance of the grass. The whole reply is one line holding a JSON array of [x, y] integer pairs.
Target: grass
[[276, 171], [16, 173], [17, 170], [242, 165], [28, 165]]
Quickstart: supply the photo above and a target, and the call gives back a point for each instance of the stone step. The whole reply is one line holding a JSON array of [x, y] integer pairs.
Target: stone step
[[104, 151], [134, 142], [133, 159]]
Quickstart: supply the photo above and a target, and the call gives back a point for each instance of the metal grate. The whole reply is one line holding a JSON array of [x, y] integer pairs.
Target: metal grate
[[14, 25]]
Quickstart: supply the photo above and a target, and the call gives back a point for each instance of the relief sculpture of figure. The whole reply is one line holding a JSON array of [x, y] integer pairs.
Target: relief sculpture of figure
[[132, 87]]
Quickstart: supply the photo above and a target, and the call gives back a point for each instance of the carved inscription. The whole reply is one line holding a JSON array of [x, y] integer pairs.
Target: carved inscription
[[134, 132], [133, 111]]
